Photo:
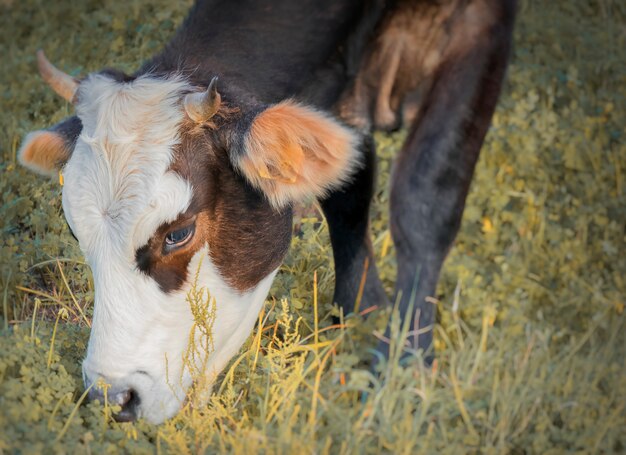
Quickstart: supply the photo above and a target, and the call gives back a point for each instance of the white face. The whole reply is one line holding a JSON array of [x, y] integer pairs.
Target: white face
[[118, 191]]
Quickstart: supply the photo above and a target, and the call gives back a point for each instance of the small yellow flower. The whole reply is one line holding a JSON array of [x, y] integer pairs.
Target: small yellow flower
[[487, 225]]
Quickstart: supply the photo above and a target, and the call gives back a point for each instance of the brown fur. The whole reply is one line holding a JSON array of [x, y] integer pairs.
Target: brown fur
[[170, 269], [411, 45]]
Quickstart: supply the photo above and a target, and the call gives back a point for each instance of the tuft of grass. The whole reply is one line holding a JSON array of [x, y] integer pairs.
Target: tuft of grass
[[531, 336]]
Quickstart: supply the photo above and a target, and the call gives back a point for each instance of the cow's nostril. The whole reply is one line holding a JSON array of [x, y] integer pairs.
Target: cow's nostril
[[121, 398], [129, 401]]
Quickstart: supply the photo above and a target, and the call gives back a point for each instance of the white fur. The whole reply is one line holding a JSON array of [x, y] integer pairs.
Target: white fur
[[117, 192]]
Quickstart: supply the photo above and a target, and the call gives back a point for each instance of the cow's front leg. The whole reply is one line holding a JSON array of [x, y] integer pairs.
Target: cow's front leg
[[347, 214]]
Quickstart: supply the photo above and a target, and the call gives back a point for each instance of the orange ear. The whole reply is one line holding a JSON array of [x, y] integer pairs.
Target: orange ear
[[293, 152], [44, 152]]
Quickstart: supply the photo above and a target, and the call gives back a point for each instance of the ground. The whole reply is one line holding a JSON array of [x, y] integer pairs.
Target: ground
[[531, 338]]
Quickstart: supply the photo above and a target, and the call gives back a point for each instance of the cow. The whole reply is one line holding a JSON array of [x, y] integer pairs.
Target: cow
[[188, 169]]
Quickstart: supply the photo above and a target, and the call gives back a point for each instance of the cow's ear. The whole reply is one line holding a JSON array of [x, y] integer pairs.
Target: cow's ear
[[293, 152], [46, 151]]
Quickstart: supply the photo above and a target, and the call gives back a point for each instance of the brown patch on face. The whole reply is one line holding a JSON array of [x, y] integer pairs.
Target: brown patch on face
[[169, 268], [247, 238], [293, 152], [44, 152]]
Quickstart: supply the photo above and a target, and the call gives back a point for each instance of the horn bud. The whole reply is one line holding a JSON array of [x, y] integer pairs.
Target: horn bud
[[201, 106], [62, 83]]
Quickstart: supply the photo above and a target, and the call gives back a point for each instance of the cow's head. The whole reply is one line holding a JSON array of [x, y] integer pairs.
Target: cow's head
[[164, 181]]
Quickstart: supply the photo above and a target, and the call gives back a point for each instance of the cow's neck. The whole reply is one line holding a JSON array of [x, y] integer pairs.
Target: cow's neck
[[272, 49]]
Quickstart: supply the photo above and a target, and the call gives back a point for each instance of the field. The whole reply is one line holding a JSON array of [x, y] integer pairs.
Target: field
[[531, 337]]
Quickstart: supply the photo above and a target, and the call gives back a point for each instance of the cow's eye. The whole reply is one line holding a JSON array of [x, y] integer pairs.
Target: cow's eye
[[179, 237]]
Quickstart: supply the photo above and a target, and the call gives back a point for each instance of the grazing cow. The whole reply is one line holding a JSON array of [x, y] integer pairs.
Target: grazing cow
[[169, 177]]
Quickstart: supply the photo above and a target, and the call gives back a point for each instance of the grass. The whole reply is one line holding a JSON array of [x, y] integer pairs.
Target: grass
[[531, 339]]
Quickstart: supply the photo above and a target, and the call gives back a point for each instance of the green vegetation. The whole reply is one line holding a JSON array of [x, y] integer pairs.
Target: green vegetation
[[532, 336]]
